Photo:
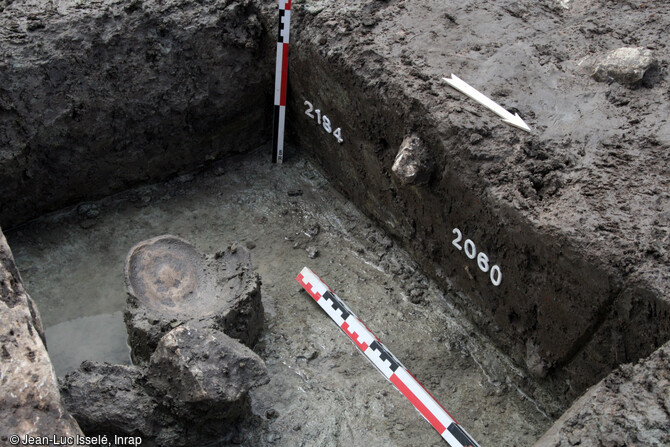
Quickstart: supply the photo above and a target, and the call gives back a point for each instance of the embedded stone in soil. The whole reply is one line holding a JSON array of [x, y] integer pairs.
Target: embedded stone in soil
[[170, 283]]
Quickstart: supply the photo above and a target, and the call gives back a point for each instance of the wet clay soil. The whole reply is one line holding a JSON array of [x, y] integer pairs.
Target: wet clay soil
[[322, 391]]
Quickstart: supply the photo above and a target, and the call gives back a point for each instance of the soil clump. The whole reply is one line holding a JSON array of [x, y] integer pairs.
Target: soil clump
[[192, 391]]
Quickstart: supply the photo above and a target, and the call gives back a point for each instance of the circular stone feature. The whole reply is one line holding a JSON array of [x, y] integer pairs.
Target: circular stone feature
[[165, 272], [170, 283]]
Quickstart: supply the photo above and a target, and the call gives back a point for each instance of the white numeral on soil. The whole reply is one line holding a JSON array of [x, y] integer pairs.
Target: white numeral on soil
[[324, 121], [482, 259], [470, 250], [308, 112], [459, 236], [483, 262], [496, 275]]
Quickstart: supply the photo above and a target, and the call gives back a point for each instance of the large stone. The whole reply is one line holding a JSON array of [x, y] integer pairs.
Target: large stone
[[30, 403], [204, 375], [627, 65], [193, 392], [629, 407], [170, 283], [413, 164], [96, 96], [112, 399]]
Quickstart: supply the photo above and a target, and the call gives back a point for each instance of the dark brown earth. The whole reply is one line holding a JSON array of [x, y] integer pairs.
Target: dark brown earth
[[576, 213], [98, 96], [629, 407]]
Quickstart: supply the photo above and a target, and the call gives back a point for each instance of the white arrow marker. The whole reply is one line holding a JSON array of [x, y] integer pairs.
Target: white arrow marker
[[464, 87]]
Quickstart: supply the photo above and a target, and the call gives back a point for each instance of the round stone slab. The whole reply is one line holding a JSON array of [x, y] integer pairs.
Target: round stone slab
[[166, 273], [170, 283]]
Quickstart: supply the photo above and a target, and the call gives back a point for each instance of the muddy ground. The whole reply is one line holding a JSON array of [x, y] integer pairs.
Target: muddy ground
[[322, 391]]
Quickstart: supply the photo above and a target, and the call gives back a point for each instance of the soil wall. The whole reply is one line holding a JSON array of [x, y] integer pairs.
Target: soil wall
[[567, 307], [98, 96]]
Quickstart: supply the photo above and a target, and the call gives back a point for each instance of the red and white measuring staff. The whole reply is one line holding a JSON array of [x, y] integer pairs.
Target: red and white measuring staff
[[281, 75], [384, 361]]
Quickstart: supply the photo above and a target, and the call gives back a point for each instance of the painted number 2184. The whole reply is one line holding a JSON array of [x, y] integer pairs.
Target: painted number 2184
[[482, 259], [324, 121]]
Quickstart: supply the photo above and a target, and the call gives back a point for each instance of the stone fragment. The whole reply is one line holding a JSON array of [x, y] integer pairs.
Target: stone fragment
[[536, 364], [170, 283], [626, 65], [30, 403], [413, 164], [628, 407], [192, 392], [106, 399], [312, 252], [202, 374]]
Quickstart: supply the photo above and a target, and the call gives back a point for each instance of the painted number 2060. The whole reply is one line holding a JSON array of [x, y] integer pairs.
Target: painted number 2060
[[324, 121], [482, 259]]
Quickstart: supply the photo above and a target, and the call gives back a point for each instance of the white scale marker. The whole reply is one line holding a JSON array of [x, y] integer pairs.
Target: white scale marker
[[389, 366], [463, 87], [281, 79]]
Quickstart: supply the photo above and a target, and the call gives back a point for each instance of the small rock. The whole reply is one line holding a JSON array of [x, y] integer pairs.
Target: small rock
[[186, 178], [88, 210], [416, 296], [312, 252], [250, 245], [313, 230], [413, 165], [272, 414], [88, 223], [294, 192], [627, 65], [536, 365]]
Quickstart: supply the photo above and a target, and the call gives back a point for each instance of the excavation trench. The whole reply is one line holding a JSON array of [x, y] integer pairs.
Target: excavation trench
[[505, 350]]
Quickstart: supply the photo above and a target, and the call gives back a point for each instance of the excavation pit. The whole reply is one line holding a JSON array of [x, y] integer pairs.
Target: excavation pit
[[574, 215]]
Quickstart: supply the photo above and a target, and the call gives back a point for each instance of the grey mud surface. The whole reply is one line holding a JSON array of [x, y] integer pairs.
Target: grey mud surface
[[322, 391]]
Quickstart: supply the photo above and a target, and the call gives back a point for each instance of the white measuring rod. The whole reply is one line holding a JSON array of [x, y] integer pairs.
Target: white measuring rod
[[281, 78], [384, 361], [465, 88]]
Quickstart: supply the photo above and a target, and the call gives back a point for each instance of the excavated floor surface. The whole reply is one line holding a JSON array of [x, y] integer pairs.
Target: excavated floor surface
[[322, 391]]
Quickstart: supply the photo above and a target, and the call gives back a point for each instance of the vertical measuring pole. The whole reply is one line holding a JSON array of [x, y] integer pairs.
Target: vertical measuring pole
[[281, 76]]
